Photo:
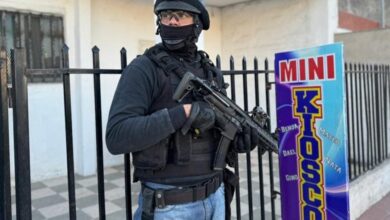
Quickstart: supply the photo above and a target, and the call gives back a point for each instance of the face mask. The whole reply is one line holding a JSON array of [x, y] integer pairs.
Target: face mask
[[177, 37]]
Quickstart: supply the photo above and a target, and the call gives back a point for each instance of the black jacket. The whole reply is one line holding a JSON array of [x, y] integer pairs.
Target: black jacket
[[137, 122]]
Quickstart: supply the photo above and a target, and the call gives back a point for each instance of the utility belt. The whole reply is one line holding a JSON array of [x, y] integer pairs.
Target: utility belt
[[160, 198]]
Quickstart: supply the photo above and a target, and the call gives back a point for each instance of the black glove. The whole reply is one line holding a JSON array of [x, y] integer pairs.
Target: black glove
[[247, 140], [202, 117]]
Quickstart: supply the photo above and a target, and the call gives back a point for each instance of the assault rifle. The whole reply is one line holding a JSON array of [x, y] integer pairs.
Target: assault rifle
[[230, 118]]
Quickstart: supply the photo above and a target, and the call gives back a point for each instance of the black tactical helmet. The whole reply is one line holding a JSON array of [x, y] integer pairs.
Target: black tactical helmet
[[194, 6]]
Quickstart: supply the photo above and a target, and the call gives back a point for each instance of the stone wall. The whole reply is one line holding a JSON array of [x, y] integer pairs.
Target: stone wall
[[366, 46]]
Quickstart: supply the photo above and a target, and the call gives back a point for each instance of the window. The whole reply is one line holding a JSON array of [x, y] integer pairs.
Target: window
[[41, 35]]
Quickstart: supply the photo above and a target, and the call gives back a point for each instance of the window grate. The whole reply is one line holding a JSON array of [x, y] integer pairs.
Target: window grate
[[42, 35]]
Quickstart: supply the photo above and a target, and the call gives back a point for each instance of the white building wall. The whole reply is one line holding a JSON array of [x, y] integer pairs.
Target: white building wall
[[366, 46], [47, 137], [256, 28], [129, 24], [213, 36], [42, 6], [111, 25], [115, 24], [78, 30], [262, 28], [122, 23], [68, 9]]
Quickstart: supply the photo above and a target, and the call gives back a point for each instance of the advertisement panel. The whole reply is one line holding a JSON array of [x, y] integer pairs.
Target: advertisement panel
[[311, 117]]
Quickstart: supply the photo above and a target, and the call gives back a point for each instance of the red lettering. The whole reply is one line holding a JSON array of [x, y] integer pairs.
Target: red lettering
[[316, 69], [331, 67], [288, 70], [310, 69], [302, 68]]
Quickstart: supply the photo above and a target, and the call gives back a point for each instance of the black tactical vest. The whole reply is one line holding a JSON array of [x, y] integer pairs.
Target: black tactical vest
[[178, 159]]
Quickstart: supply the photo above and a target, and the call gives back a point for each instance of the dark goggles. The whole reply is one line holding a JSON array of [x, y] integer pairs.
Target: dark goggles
[[178, 15]]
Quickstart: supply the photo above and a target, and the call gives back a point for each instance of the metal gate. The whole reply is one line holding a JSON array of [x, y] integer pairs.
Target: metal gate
[[20, 75], [368, 98]]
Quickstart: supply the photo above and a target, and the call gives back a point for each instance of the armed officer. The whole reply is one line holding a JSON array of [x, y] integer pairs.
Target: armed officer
[[173, 144]]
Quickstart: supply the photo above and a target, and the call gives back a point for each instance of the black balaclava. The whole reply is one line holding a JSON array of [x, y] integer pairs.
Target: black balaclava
[[180, 38]]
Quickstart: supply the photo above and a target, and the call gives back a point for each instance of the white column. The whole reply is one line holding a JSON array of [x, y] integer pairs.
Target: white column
[[333, 18], [82, 91], [383, 12]]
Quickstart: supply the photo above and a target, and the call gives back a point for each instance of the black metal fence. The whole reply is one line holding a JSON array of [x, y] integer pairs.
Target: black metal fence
[[20, 75], [5, 185], [367, 91]]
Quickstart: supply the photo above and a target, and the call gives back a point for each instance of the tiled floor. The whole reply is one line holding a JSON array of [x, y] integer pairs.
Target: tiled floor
[[50, 198], [379, 211]]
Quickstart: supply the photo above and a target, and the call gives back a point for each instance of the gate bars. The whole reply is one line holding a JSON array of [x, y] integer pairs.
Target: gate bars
[[21, 134], [232, 73], [368, 93], [367, 89], [5, 185], [22, 175]]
